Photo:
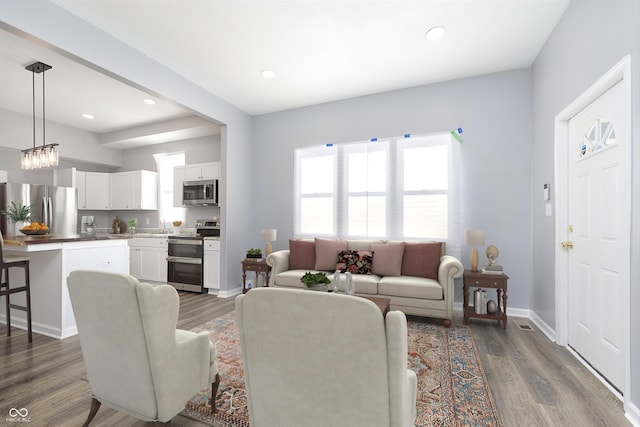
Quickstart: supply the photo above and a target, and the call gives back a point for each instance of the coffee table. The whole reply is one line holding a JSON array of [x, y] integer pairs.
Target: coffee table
[[381, 302]]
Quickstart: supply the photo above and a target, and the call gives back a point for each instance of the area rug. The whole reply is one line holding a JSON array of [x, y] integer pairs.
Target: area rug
[[452, 386]]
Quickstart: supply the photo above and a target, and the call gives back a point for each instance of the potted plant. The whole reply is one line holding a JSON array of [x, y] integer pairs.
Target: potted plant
[[18, 214], [254, 253], [315, 281], [132, 226]]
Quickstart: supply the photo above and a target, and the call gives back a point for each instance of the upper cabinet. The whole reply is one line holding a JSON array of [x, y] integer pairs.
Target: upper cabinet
[[200, 171], [136, 190], [96, 190]]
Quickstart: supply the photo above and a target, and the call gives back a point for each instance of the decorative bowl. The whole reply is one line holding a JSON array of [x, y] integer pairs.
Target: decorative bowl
[[34, 232]]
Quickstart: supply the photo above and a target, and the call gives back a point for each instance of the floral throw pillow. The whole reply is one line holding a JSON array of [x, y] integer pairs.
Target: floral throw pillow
[[355, 262]]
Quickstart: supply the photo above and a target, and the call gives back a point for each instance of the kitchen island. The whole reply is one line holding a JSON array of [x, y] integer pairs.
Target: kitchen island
[[52, 258]]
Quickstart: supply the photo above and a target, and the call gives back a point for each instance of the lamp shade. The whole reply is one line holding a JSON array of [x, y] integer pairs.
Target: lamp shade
[[268, 234], [474, 237]]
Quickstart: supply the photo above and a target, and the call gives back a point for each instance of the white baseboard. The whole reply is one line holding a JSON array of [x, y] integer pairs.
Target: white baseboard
[[542, 325], [39, 328], [230, 293], [632, 413]]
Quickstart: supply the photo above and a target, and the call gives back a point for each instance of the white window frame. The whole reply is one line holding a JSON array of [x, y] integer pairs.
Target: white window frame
[[394, 192]]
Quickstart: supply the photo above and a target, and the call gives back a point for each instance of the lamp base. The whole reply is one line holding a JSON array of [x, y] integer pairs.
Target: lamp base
[[268, 249], [474, 259]]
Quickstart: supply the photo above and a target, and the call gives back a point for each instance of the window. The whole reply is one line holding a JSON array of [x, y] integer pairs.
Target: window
[[394, 189], [166, 162]]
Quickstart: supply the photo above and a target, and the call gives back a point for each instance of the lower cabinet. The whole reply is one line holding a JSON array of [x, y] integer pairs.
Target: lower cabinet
[[212, 265], [148, 259]]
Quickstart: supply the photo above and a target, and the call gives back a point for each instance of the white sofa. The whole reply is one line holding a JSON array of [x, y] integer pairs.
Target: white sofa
[[411, 293]]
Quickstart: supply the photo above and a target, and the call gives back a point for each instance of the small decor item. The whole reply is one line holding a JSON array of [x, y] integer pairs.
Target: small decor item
[[474, 238], [351, 290], [492, 255], [132, 226], [17, 213], [479, 298], [315, 281], [254, 253], [268, 235], [336, 282], [34, 229], [492, 307]]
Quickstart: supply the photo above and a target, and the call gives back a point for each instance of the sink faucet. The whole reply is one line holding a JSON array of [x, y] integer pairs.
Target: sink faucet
[[163, 223]]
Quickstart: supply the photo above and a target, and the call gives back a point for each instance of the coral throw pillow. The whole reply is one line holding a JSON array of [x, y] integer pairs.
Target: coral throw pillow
[[388, 259], [422, 260], [355, 262], [327, 252], [302, 255]]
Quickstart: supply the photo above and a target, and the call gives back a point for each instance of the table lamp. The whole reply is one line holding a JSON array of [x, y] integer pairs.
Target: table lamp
[[474, 238], [268, 235]]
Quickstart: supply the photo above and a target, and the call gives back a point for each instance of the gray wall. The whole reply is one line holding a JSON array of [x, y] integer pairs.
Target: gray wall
[[495, 115], [592, 36]]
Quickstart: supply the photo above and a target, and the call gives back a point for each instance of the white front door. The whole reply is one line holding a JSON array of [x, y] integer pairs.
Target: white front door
[[599, 229]]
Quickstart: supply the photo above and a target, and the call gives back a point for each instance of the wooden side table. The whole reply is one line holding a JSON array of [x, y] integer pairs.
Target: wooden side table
[[478, 279], [258, 266]]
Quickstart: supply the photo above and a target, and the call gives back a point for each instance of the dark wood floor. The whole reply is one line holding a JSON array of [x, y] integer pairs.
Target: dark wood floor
[[534, 382]]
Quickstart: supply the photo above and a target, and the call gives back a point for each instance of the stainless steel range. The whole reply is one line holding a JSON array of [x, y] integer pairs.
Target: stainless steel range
[[185, 260]]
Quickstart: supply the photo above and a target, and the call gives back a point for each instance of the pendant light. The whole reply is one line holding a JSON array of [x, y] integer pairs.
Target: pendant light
[[46, 155]]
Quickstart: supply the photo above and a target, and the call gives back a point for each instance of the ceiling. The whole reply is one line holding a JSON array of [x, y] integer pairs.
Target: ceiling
[[320, 51]]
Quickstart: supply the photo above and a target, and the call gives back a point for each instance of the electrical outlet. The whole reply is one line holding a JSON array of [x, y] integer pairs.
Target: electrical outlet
[[147, 221]]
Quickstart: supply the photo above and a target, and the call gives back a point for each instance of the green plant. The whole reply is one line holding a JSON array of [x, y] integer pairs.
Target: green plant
[[17, 213], [309, 279], [254, 251], [131, 223]]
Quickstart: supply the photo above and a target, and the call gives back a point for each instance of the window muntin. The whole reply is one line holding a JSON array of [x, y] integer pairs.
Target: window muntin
[[395, 189]]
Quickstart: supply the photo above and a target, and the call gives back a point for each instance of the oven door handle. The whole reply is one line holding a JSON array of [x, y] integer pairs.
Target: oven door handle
[[183, 260], [185, 242]]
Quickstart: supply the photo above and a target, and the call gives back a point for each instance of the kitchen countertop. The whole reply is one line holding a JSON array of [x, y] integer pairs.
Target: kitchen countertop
[[60, 238]]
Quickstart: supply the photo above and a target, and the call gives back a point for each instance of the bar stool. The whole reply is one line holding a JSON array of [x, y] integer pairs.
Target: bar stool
[[7, 262]]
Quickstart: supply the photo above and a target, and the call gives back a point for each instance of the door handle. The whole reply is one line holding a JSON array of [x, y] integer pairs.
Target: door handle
[[568, 244]]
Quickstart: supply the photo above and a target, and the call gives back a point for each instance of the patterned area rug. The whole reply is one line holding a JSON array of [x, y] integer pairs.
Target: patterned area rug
[[452, 386]]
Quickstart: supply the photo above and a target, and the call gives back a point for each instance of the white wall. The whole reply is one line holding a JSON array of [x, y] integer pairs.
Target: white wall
[[592, 36], [495, 115]]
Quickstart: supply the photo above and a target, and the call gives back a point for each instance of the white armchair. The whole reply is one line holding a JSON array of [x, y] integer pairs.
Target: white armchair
[[317, 358], [137, 361]]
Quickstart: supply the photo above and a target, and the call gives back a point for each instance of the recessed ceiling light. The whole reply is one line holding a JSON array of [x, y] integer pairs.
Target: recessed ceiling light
[[88, 116], [435, 33], [149, 101], [268, 74]]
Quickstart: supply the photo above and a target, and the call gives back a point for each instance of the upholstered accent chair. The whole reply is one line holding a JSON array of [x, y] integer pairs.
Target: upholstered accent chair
[[137, 361], [315, 358]]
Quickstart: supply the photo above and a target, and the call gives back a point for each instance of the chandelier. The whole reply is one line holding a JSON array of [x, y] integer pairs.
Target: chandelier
[[46, 155]]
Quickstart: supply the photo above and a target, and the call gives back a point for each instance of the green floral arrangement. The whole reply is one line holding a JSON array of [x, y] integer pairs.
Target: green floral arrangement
[[17, 213], [310, 279]]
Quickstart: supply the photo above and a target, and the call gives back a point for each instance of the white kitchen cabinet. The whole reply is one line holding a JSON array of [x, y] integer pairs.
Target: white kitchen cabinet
[[200, 171], [148, 258], [133, 190], [212, 265], [178, 179], [96, 191], [80, 184]]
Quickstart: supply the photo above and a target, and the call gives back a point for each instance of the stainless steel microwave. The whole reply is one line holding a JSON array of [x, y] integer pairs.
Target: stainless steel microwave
[[200, 193]]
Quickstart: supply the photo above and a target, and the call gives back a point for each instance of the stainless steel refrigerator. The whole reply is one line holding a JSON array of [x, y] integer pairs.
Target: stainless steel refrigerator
[[55, 206]]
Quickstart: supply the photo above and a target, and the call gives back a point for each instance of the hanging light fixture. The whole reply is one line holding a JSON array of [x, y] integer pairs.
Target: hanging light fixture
[[46, 155]]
